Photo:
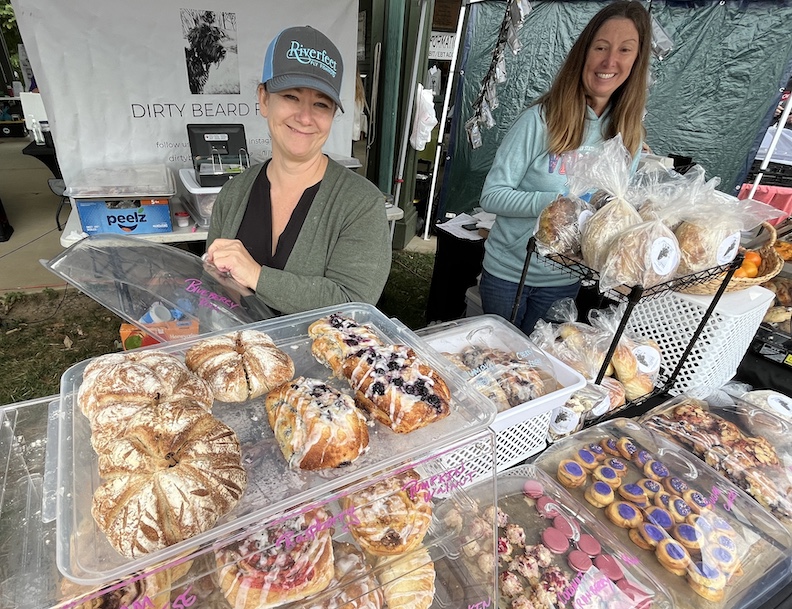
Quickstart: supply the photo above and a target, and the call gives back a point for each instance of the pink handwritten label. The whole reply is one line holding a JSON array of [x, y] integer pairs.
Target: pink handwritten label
[[290, 539], [569, 592], [207, 298], [629, 559], [481, 605], [731, 496], [439, 483]]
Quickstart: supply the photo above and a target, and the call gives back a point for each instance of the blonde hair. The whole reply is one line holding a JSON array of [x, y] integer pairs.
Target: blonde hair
[[564, 105]]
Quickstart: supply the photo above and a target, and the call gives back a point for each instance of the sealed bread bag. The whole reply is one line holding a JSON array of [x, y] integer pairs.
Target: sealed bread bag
[[558, 226], [665, 195]]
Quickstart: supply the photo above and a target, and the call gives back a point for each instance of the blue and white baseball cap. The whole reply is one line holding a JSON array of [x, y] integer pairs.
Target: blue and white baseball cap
[[304, 57]]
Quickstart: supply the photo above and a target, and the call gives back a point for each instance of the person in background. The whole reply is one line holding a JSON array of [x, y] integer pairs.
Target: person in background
[[301, 230], [599, 92]]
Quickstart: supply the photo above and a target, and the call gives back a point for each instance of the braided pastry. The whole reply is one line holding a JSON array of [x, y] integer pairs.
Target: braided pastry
[[336, 337]]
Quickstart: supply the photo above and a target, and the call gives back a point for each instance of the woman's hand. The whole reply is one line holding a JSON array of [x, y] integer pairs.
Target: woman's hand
[[230, 256]]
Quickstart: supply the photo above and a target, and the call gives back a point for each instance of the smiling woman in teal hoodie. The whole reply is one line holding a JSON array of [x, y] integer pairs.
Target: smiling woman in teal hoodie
[[600, 91]]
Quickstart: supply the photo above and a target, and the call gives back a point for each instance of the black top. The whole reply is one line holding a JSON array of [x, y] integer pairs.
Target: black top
[[255, 232]]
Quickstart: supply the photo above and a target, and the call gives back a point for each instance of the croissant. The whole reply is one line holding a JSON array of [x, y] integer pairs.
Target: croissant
[[409, 582], [335, 337], [354, 585], [396, 387], [316, 426]]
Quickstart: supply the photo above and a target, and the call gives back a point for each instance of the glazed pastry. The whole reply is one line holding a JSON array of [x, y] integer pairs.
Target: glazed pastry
[[634, 494], [647, 535], [659, 516], [599, 494], [609, 447], [316, 426], [650, 487], [673, 556], [675, 486], [679, 510], [607, 475], [586, 459], [263, 572], [618, 466], [697, 502], [707, 581], [335, 337], [640, 457], [688, 535], [240, 366], [396, 387], [626, 447], [655, 470], [390, 520], [354, 585], [571, 474], [409, 581], [623, 515]]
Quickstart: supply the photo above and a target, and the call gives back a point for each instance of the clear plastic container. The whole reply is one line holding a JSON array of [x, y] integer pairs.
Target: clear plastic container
[[199, 199], [746, 444], [748, 546], [122, 182], [521, 427], [85, 555]]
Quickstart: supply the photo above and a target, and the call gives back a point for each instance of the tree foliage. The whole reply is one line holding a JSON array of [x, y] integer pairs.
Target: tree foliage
[[10, 31]]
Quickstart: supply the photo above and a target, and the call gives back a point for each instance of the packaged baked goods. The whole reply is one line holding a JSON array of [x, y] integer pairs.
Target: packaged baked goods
[[705, 543], [645, 254], [665, 195], [559, 224], [718, 436], [598, 232], [552, 552]]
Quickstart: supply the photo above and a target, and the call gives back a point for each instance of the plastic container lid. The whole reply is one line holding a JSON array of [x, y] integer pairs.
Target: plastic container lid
[[123, 182], [187, 178]]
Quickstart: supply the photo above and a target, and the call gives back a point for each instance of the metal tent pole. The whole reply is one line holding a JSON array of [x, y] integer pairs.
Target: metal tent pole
[[773, 143], [443, 117]]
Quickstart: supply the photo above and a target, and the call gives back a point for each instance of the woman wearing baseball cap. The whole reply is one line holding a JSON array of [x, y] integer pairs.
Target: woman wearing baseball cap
[[300, 229]]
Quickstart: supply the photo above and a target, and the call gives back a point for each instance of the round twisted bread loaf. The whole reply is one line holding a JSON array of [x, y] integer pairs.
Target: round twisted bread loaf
[[172, 474], [117, 385], [240, 366]]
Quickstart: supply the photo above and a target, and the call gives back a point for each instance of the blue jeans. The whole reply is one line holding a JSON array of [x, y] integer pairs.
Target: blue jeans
[[497, 297]]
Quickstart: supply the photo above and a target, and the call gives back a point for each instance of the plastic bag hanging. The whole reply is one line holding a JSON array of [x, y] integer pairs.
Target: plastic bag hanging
[[424, 120]]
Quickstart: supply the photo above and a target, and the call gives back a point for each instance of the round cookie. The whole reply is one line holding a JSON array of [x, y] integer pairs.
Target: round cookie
[[623, 514], [673, 556], [597, 450], [618, 466], [641, 457], [599, 494], [650, 487], [607, 475], [586, 459], [610, 567], [688, 535], [675, 485], [533, 489], [659, 516], [555, 540], [609, 446], [725, 560], [697, 502], [655, 470], [679, 509], [647, 535], [589, 545], [634, 493], [707, 581], [563, 524], [579, 561], [626, 447], [546, 506], [724, 541], [663, 499], [571, 474]]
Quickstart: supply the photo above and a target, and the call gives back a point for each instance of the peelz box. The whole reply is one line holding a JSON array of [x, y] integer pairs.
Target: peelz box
[[125, 217]]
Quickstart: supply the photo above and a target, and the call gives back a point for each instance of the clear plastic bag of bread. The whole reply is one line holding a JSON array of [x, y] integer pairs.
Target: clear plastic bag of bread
[[646, 254], [557, 229], [709, 236], [636, 361], [604, 168], [665, 195]]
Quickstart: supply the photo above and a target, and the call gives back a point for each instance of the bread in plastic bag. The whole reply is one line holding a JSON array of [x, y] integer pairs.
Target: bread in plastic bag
[[586, 403], [598, 232], [665, 195], [558, 226], [646, 254]]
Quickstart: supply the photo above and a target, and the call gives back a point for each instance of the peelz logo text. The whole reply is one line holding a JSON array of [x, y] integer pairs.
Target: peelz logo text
[[307, 55], [207, 298]]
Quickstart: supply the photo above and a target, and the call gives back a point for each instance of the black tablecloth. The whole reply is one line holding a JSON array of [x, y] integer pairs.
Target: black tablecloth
[[45, 154]]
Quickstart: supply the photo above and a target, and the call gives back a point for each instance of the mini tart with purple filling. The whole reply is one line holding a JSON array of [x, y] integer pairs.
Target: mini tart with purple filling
[[659, 516], [675, 486], [586, 459], [647, 535], [609, 447], [634, 493], [679, 509], [724, 559], [618, 466], [723, 541], [697, 502], [655, 470], [640, 457], [626, 447], [599, 494], [624, 514], [673, 556], [650, 487], [688, 535], [607, 475], [597, 450], [571, 474], [663, 499], [707, 581]]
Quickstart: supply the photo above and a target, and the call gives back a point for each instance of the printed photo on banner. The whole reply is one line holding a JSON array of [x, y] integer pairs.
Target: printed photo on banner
[[210, 51]]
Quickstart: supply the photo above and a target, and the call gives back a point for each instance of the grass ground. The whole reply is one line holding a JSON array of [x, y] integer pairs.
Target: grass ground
[[44, 333]]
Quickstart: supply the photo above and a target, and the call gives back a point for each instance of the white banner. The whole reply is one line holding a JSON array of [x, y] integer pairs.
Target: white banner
[[121, 80]]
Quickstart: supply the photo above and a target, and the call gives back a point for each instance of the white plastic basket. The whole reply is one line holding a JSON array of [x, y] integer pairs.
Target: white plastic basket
[[520, 431], [671, 320]]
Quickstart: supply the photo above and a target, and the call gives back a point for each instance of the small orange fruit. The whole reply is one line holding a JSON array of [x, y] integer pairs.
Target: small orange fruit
[[740, 272], [753, 257], [749, 268]]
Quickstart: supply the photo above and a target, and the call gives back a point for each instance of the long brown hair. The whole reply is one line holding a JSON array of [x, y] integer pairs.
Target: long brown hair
[[564, 105]]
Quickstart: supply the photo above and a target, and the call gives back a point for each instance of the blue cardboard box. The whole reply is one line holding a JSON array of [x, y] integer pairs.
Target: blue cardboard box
[[125, 217]]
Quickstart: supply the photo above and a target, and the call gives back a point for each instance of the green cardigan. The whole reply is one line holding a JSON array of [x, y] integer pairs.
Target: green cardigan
[[343, 251]]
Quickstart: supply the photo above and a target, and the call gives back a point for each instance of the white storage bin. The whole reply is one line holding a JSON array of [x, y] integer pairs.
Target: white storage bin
[[199, 200], [671, 320], [521, 430]]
